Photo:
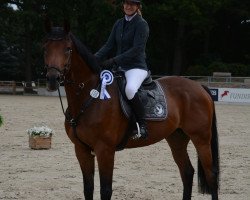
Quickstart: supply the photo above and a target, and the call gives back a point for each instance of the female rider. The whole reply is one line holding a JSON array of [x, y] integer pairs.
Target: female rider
[[129, 36]]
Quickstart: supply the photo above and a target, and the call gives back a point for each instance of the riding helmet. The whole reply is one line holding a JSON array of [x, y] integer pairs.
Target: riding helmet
[[134, 1]]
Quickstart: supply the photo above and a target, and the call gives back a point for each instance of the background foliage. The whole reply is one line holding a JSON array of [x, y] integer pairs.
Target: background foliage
[[187, 37], [1, 120]]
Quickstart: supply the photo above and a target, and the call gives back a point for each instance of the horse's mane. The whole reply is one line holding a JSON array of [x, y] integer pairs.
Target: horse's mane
[[58, 33], [86, 55]]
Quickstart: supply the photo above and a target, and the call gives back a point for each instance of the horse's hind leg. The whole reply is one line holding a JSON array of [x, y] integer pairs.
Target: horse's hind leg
[[87, 164], [178, 142], [207, 167]]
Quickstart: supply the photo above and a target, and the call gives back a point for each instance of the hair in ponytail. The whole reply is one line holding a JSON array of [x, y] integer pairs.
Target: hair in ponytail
[[139, 11]]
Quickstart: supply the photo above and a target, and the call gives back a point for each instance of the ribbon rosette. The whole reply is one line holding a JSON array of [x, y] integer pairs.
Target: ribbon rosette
[[107, 78]]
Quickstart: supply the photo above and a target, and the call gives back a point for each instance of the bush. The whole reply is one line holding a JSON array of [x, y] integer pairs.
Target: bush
[[196, 70], [239, 69], [234, 68], [1, 120]]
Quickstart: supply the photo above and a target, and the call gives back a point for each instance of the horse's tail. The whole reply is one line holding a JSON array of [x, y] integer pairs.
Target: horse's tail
[[203, 186]]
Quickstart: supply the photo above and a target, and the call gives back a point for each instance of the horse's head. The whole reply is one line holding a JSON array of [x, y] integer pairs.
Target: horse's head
[[57, 54]]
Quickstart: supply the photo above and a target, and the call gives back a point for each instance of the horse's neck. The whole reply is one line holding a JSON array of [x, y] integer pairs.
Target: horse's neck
[[81, 80]]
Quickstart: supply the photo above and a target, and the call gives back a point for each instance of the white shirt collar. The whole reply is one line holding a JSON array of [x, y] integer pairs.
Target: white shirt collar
[[129, 18]]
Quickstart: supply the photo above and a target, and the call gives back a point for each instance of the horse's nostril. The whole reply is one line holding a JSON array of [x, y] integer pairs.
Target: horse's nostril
[[53, 78], [58, 78], [53, 82]]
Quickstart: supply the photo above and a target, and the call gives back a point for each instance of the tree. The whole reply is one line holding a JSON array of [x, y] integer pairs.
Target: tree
[[182, 33], [8, 49], [8, 62], [23, 25], [180, 22]]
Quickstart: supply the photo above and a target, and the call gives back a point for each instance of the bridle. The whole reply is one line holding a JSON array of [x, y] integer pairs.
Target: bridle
[[66, 68], [73, 121]]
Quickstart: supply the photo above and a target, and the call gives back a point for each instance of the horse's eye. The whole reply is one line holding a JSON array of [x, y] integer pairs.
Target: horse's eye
[[68, 50]]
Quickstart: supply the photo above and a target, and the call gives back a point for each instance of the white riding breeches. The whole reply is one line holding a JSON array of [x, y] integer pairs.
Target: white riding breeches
[[134, 78]]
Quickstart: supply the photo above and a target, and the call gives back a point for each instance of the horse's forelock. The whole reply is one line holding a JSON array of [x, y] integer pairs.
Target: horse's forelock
[[59, 33], [56, 33]]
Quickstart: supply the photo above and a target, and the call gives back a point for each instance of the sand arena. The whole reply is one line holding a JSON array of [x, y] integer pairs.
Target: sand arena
[[147, 173]]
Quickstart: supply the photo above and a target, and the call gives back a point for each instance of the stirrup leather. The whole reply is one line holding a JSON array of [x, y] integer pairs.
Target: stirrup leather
[[138, 135]]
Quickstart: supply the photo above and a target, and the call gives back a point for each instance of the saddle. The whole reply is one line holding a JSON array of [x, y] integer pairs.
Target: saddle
[[152, 97], [151, 94]]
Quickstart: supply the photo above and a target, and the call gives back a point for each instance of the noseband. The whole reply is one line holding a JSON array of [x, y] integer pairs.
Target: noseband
[[57, 34], [65, 70]]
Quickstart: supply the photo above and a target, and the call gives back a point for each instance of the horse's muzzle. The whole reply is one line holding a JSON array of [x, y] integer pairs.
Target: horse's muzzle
[[53, 81]]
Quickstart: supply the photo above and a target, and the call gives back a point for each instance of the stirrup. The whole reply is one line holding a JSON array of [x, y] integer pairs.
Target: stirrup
[[139, 134]]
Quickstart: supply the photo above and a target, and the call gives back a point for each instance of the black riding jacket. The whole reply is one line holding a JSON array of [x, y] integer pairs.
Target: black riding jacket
[[129, 39]]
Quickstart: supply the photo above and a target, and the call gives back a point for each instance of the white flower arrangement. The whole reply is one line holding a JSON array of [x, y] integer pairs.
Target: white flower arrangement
[[40, 131]]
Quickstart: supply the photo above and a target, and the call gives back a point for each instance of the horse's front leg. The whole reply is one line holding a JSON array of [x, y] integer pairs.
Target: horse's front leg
[[87, 164], [105, 158]]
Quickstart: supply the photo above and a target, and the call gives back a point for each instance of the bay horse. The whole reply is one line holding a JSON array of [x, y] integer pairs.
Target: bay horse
[[98, 126]]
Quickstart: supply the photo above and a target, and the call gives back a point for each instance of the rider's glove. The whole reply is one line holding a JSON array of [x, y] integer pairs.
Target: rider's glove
[[108, 64]]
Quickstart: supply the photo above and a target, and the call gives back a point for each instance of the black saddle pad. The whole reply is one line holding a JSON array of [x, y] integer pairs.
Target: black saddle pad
[[154, 100]]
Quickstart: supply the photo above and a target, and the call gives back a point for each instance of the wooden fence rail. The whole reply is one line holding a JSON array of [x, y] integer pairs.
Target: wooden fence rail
[[8, 87]]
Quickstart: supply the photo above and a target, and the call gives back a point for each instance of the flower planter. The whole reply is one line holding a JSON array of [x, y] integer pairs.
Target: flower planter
[[40, 137], [40, 142]]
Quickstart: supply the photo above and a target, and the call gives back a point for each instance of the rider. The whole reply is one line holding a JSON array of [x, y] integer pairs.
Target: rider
[[129, 36]]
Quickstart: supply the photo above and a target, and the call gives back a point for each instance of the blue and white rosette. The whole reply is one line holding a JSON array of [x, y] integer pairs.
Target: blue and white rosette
[[107, 78]]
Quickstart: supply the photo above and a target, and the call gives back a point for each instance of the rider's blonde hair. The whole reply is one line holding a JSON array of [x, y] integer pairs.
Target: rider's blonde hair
[[139, 11]]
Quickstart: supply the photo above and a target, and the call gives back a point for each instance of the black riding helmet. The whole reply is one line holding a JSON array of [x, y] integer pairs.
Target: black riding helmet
[[134, 1]]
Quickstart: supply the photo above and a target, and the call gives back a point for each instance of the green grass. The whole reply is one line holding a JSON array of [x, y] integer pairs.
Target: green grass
[[1, 120]]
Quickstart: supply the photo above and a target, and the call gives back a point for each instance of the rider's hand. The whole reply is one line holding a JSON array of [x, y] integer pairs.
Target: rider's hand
[[108, 64]]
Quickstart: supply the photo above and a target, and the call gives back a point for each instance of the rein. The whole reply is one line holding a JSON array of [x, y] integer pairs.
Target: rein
[[62, 79], [56, 35], [69, 118], [73, 122]]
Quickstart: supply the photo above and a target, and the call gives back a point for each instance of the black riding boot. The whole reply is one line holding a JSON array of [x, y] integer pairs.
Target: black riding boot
[[139, 112]]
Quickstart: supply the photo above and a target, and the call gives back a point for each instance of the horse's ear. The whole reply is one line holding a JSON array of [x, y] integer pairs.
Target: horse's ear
[[66, 26], [47, 25]]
